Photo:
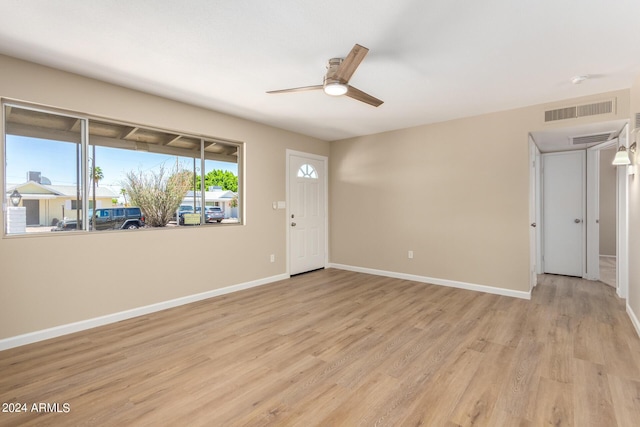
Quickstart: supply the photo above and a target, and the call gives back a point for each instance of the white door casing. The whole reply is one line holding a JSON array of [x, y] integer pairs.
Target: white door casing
[[540, 223], [622, 222], [593, 214], [533, 221], [593, 208], [307, 211], [564, 213]]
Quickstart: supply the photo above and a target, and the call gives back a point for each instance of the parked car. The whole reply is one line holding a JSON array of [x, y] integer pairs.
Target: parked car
[[213, 214], [118, 219], [186, 210], [66, 225], [182, 209], [108, 219]]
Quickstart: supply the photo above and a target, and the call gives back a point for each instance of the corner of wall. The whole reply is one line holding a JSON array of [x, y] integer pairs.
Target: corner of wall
[[633, 297]]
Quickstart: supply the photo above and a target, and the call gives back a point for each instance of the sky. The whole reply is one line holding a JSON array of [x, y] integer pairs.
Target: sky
[[56, 160]]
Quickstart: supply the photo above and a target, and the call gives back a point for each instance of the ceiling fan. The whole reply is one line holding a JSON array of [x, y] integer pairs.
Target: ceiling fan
[[336, 81]]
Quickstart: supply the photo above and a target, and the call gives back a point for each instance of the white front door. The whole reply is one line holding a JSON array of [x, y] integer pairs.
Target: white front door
[[564, 212], [307, 212]]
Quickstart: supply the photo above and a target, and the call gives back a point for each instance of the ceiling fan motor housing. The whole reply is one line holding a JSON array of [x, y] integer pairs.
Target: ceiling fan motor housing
[[332, 69], [332, 84]]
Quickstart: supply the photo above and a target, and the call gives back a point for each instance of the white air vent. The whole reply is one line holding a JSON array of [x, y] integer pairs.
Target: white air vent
[[637, 121], [560, 114], [592, 139], [605, 107], [584, 110]]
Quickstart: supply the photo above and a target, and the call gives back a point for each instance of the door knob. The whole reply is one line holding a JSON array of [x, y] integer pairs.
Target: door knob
[[533, 224], [577, 221], [293, 224]]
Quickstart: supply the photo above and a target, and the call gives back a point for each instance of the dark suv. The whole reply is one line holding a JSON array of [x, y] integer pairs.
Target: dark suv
[[118, 219], [108, 219]]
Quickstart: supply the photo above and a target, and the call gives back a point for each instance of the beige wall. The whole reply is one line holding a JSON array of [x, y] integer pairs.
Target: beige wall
[[456, 193], [608, 177], [634, 215], [150, 268]]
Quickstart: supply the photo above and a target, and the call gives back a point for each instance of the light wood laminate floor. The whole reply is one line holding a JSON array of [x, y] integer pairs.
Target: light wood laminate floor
[[338, 348], [608, 270]]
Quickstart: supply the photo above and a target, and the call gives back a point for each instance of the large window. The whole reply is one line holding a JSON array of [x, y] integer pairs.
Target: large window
[[72, 173]]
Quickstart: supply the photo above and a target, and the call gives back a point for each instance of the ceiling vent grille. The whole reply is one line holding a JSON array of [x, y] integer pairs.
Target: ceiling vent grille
[[576, 111], [605, 107], [592, 139], [560, 114], [637, 121]]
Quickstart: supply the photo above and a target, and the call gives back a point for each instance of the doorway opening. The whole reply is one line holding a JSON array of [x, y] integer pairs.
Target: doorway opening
[[606, 206], [606, 214]]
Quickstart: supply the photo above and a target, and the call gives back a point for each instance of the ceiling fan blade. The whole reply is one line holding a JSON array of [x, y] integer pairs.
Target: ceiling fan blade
[[351, 62], [297, 89], [362, 96]]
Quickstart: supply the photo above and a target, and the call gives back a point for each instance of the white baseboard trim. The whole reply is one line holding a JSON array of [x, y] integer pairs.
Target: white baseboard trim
[[434, 281], [82, 325], [634, 318]]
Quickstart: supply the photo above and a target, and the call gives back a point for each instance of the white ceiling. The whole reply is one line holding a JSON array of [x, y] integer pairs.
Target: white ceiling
[[429, 61]]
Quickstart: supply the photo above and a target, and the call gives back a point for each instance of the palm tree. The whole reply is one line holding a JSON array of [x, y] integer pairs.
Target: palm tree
[[123, 191], [97, 175]]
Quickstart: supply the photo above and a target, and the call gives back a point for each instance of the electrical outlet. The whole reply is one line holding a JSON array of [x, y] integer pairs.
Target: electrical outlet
[[410, 254], [273, 258]]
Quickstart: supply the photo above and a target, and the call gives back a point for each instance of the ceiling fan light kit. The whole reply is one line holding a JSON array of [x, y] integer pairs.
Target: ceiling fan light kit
[[335, 89], [336, 80], [333, 85]]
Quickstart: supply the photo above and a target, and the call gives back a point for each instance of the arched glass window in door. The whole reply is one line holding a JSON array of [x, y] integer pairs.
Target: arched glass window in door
[[307, 171]]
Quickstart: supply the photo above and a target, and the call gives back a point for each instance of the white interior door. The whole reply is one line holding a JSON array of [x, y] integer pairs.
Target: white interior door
[[307, 212], [564, 213]]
